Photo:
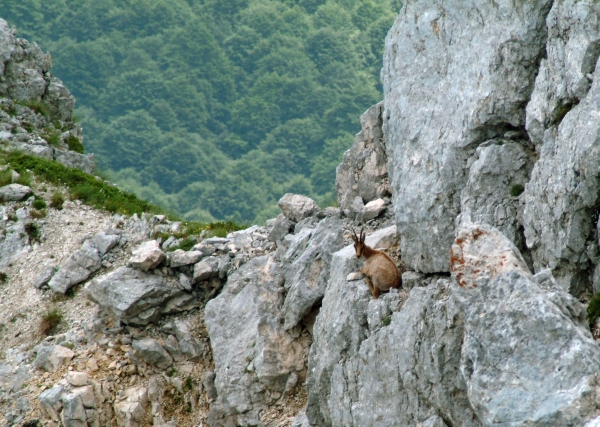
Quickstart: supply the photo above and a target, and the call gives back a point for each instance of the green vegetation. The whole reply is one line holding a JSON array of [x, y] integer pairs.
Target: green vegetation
[[215, 108], [593, 310], [386, 321], [36, 106], [39, 203], [50, 321], [516, 190], [74, 144], [33, 231], [57, 200], [3, 277]]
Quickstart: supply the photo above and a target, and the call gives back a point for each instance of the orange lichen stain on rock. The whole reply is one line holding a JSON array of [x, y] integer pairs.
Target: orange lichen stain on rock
[[478, 233]]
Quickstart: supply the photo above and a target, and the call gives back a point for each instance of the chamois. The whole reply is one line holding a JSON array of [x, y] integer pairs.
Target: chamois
[[380, 271]]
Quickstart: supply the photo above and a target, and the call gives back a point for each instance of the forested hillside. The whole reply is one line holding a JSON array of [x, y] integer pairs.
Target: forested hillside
[[215, 108]]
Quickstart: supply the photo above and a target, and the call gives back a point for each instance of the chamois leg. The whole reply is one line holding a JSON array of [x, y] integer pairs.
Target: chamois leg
[[373, 289]]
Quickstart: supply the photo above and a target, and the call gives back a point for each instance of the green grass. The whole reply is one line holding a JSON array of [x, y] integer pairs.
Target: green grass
[[386, 321], [52, 136], [50, 321], [39, 203], [36, 106], [81, 186], [100, 195], [593, 310], [516, 190], [74, 144], [5, 177]]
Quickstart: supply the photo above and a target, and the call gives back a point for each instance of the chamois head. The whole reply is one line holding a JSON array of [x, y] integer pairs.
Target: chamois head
[[359, 242]]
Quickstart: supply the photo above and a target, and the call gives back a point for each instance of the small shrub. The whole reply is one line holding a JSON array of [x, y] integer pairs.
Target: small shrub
[[74, 144], [188, 384], [12, 217], [386, 321], [593, 310], [24, 178], [38, 214], [33, 231], [37, 107], [52, 136], [186, 244], [516, 190], [39, 204], [171, 372], [5, 177], [70, 293], [3, 277], [50, 321], [57, 200]]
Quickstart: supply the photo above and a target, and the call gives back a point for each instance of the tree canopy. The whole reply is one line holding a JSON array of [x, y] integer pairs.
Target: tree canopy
[[215, 109]]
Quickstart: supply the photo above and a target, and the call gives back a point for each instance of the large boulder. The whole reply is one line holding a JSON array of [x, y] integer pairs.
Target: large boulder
[[527, 358], [307, 269], [147, 256], [363, 171], [135, 297], [455, 76], [562, 197], [296, 207], [76, 269], [256, 360], [14, 192]]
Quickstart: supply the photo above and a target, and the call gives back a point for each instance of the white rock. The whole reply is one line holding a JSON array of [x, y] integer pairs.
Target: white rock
[[147, 256]]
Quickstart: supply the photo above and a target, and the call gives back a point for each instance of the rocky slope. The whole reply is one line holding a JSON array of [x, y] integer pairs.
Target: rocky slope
[[486, 142]]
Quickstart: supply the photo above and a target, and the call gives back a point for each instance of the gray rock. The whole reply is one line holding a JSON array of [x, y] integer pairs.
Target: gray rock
[[76, 269], [296, 207], [51, 401], [185, 282], [281, 228], [254, 356], [53, 357], [500, 167], [14, 192], [372, 210], [202, 271], [147, 256], [135, 297], [307, 270], [172, 346], [444, 96], [104, 242], [189, 346], [131, 411], [301, 420], [153, 353], [73, 413], [44, 277], [523, 332], [209, 384], [363, 171], [180, 258], [87, 396], [77, 379], [59, 100], [572, 47], [71, 159], [14, 244], [561, 198]]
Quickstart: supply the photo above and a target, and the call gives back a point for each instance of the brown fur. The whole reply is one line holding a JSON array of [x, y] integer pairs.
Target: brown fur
[[380, 271]]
